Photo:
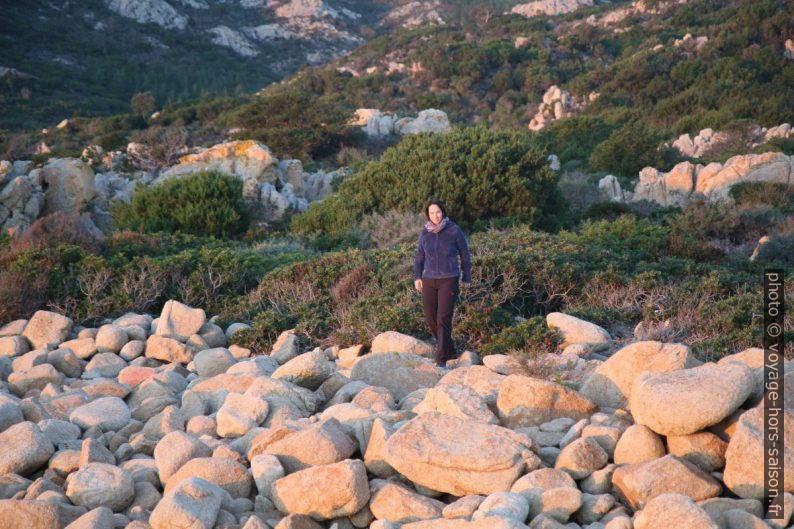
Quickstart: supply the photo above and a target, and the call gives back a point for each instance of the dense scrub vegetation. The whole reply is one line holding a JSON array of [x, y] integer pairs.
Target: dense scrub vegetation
[[659, 273], [480, 173], [56, 265], [674, 275]]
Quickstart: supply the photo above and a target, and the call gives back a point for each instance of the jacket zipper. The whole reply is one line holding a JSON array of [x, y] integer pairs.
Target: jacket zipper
[[438, 259]]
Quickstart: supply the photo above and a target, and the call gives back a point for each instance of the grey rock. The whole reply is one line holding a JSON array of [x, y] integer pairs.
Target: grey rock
[[132, 349], [100, 484], [195, 503], [111, 338], [104, 365], [107, 413], [211, 362], [34, 378], [58, 431], [168, 350], [10, 414], [31, 514], [13, 346], [23, 449], [179, 321], [66, 361], [176, 449], [99, 518], [95, 452], [308, 370], [230, 475], [400, 373], [213, 335], [47, 328]]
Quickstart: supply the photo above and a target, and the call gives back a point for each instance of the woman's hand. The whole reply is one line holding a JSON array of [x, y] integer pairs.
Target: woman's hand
[[465, 285], [418, 285]]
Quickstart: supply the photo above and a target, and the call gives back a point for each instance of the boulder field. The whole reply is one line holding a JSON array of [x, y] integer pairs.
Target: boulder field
[[163, 422]]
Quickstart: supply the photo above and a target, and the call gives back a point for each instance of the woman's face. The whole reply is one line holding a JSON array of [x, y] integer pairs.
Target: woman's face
[[435, 214]]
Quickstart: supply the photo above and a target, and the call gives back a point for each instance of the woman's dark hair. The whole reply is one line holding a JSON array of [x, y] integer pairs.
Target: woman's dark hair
[[438, 203]]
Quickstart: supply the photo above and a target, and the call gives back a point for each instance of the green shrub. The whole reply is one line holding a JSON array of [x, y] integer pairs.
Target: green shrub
[[294, 124], [763, 193], [574, 139], [206, 203], [265, 329], [779, 249], [477, 172], [606, 210], [527, 338], [628, 149]]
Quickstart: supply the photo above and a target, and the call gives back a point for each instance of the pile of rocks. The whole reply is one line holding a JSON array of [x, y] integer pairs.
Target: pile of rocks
[[712, 183], [378, 124], [147, 422], [691, 44], [557, 104], [708, 139], [550, 7]]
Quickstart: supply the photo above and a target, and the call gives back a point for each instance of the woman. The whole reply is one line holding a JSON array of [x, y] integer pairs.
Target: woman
[[436, 274]]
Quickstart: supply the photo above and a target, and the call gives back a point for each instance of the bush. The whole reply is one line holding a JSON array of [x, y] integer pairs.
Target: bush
[[477, 172], [780, 247], [142, 103], [763, 193], [294, 124], [382, 230], [162, 147], [574, 139], [606, 210], [527, 338], [265, 329], [206, 203], [49, 267], [628, 149]]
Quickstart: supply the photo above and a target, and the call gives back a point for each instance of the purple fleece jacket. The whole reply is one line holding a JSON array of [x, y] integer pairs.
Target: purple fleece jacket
[[437, 254]]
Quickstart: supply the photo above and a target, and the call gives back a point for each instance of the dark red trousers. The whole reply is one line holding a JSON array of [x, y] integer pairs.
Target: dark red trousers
[[438, 301]]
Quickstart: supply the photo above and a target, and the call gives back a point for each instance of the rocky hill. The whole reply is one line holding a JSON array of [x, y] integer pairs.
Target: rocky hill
[[107, 50], [165, 422]]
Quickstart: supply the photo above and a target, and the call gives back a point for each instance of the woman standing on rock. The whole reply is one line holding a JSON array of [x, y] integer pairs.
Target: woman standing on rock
[[437, 275]]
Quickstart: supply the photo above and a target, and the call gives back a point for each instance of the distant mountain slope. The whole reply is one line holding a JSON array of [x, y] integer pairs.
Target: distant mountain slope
[[628, 77], [64, 56]]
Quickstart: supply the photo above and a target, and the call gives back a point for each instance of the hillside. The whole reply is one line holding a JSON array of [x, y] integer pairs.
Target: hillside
[[62, 58], [624, 70], [675, 67]]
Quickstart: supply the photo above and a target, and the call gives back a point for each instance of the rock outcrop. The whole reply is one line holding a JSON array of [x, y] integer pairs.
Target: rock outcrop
[[157, 12], [550, 7], [377, 124], [687, 182], [98, 179], [557, 104], [234, 40], [414, 14], [703, 144]]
